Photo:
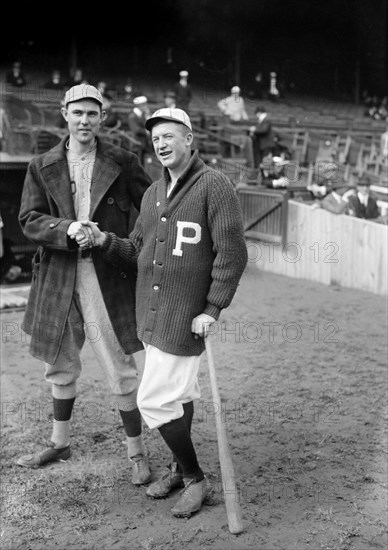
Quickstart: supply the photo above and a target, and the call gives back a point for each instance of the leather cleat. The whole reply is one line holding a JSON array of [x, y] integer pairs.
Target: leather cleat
[[141, 473], [192, 497], [166, 483], [44, 457]]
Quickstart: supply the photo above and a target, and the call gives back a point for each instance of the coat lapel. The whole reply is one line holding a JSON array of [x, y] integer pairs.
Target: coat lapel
[[56, 177], [105, 172], [55, 173]]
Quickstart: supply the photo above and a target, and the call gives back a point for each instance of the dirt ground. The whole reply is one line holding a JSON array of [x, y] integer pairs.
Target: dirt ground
[[302, 372]]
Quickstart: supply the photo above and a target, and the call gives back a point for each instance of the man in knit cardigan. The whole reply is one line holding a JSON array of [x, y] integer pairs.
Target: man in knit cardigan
[[189, 246]]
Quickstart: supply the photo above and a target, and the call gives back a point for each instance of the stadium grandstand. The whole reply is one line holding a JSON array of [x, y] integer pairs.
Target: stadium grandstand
[[329, 127]]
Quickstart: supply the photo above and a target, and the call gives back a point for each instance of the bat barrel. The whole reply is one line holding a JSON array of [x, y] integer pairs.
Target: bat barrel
[[231, 495]]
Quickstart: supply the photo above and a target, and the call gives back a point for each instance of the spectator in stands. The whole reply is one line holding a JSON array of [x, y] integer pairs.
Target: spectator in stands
[[382, 110], [170, 99], [274, 172], [15, 77], [325, 174], [262, 135], [361, 203], [55, 82], [128, 90], [384, 144], [233, 106], [336, 199], [76, 78], [112, 120], [258, 86], [366, 100], [136, 122], [102, 87], [273, 92], [183, 91], [377, 109]]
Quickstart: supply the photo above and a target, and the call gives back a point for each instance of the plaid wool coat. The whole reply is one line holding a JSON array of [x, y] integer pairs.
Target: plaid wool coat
[[47, 210]]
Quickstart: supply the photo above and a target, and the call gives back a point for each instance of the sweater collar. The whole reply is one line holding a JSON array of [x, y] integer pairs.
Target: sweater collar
[[194, 170], [194, 165]]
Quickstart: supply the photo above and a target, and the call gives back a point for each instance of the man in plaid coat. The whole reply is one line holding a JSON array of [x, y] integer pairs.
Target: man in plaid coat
[[76, 295]]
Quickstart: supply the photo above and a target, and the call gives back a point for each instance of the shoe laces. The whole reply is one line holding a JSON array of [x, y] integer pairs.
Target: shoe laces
[[187, 489], [169, 473]]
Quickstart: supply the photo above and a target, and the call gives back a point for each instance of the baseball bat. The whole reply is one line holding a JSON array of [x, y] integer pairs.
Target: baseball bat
[[231, 496]]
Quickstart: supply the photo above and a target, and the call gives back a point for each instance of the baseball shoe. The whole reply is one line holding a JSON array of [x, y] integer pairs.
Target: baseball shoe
[[141, 473], [192, 497], [44, 457], [166, 483]]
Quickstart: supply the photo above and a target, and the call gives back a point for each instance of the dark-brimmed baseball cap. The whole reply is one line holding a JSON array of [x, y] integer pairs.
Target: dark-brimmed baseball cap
[[171, 115], [334, 185], [83, 91], [365, 181]]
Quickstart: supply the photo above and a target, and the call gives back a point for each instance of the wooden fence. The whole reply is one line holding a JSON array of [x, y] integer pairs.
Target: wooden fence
[[265, 213], [327, 248]]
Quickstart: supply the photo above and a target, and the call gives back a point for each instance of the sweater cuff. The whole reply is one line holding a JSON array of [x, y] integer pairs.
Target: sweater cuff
[[212, 310], [104, 247]]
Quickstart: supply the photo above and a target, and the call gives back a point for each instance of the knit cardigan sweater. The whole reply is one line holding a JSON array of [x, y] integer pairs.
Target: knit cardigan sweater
[[190, 251]]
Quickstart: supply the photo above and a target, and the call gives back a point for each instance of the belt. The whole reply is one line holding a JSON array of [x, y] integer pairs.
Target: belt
[[86, 252]]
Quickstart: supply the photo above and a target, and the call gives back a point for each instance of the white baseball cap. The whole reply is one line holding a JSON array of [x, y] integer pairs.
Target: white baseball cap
[[235, 90], [184, 73], [83, 91], [279, 160], [140, 100], [172, 115]]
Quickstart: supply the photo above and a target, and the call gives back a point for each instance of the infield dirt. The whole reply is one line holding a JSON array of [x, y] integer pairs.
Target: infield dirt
[[302, 372]]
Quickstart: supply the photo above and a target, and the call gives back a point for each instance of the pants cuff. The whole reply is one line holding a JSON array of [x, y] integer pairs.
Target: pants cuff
[[126, 402]]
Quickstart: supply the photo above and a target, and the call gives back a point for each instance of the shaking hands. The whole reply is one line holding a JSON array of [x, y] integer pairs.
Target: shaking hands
[[86, 233]]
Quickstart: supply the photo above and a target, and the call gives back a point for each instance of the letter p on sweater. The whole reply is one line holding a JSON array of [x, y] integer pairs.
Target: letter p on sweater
[[180, 238]]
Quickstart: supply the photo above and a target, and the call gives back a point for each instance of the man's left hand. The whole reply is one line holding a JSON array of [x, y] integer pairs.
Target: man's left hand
[[200, 324]]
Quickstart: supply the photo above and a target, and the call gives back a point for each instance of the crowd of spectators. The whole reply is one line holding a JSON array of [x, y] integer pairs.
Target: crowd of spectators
[[376, 107], [328, 190], [356, 199]]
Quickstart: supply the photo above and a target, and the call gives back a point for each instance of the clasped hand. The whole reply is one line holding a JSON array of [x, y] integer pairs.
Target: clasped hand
[[86, 233]]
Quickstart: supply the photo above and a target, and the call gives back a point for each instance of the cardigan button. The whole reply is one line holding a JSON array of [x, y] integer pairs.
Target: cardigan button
[[158, 203], [124, 275], [163, 219], [110, 200], [52, 225], [155, 287]]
